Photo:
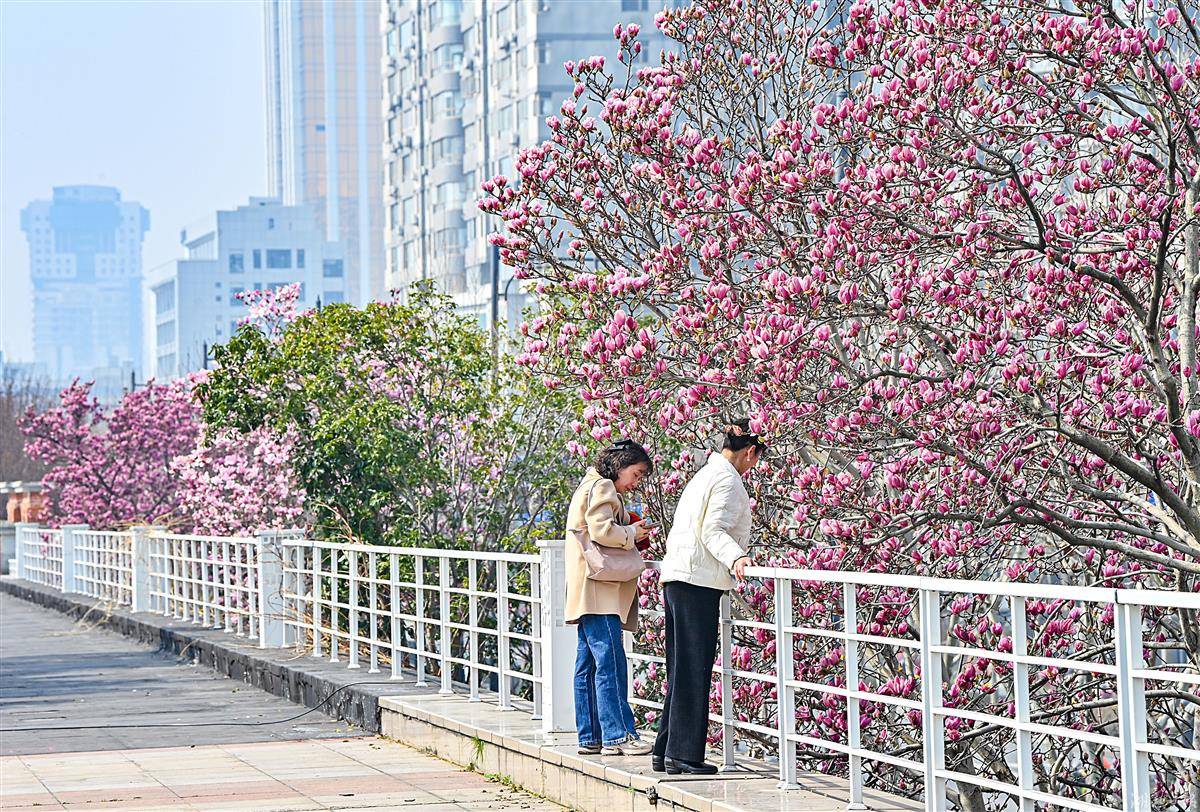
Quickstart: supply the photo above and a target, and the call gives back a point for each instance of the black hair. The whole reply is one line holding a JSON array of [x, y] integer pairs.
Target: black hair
[[739, 437], [619, 456]]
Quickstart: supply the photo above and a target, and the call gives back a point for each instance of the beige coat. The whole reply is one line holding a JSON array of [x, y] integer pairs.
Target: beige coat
[[597, 507]]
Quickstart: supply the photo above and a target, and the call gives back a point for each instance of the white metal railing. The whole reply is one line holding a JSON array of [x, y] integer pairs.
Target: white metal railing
[[102, 562], [40, 555], [474, 622], [925, 653], [461, 620], [214, 581]]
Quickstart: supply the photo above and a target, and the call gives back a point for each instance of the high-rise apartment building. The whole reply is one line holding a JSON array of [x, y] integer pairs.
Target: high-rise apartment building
[[324, 124], [259, 246], [85, 262], [467, 84]]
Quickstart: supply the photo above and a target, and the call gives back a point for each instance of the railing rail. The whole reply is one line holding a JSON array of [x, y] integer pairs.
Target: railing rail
[[476, 622]]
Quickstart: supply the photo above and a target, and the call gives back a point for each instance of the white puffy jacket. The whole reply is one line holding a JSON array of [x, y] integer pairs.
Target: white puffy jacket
[[711, 529]]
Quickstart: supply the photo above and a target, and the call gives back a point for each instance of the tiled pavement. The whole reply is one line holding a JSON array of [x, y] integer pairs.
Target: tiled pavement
[[354, 773]]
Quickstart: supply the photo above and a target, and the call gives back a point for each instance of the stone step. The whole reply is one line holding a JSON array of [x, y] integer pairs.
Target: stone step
[[509, 744]]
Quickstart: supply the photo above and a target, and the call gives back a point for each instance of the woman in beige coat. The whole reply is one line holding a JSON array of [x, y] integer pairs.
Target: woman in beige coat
[[603, 608]]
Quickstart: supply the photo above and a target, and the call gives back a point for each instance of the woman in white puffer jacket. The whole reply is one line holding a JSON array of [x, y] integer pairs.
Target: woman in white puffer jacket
[[706, 549]]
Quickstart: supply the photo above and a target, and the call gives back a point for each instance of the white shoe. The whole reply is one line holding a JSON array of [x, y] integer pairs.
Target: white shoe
[[630, 747], [589, 750]]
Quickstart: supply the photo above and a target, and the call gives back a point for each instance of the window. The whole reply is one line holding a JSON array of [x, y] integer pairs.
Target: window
[[257, 258], [233, 327], [218, 297], [635, 5], [406, 30], [334, 296], [448, 57], [444, 12], [447, 104], [279, 258], [270, 222], [299, 257], [543, 53], [448, 195], [237, 263], [448, 147], [333, 268], [166, 333], [235, 292], [393, 42], [164, 298]]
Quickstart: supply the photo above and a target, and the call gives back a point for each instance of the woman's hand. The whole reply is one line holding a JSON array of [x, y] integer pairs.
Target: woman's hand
[[642, 529], [739, 567]]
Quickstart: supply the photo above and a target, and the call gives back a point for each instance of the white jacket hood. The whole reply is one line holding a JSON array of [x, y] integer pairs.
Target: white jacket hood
[[711, 528]]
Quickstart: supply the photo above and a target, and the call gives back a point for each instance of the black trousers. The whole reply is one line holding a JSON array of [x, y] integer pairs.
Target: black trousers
[[692, 617]]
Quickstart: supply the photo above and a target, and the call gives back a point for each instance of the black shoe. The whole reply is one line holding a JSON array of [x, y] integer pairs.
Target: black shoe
[[674, 767], [656, 764]]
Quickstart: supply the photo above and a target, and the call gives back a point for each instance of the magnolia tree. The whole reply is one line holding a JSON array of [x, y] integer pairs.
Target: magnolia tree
[[113, 467], [233, 484], [946, 257]]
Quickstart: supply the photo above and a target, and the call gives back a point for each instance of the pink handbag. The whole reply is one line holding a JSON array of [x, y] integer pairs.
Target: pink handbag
[[608, 563]]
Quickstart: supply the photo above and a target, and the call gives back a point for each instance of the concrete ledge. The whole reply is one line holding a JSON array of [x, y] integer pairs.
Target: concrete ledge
[[483, 737]]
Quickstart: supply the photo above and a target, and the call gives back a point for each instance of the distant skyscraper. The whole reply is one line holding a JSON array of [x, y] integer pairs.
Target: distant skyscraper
[[324, 124], [85, 262], [468, 85], [261, 245]]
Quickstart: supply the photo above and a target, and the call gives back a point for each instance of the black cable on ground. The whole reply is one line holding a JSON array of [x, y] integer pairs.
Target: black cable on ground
[[316, 707]]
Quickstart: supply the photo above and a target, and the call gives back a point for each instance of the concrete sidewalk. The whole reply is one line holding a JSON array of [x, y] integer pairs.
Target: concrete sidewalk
[[56, 672]]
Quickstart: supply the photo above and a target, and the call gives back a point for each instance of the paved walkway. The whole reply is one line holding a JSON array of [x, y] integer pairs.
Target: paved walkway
[[355, 773], [57, 673]]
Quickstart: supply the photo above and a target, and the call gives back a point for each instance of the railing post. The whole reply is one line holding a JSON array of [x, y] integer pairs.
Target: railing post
[[727, 729], [22, 530], [503, 654], [142, 586], [853, 727], [68, 555], [447, 686], [558, 640], [785, 697], [272, 612], [932, 725], [352, 613], [1026, 778], [8, 547], [1131, 708]]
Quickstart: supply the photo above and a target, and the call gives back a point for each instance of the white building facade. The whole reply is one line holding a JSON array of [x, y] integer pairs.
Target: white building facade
[[262, 245], [467, 85], [324, 125]]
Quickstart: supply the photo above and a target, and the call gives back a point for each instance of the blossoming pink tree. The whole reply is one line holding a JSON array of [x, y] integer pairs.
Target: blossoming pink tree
[[233, 484], [946, 256], [112, 467]]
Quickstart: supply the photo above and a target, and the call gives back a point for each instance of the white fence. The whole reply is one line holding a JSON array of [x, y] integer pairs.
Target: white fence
[[470, 623]]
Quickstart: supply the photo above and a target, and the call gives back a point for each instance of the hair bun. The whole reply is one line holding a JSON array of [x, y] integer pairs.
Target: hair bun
[[734, 430]]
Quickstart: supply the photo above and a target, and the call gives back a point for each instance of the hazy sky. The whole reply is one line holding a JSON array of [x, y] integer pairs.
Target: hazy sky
[[162, 99]]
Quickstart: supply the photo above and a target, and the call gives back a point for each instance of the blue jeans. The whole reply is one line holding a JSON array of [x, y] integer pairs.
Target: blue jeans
[[602, 712]]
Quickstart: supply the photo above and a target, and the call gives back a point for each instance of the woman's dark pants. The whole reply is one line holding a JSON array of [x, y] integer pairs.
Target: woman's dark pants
[[692, 618]]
